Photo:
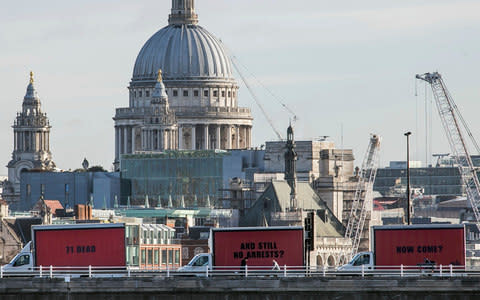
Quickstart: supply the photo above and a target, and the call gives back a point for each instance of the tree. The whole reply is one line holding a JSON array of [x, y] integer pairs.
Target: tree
[[96, 169]]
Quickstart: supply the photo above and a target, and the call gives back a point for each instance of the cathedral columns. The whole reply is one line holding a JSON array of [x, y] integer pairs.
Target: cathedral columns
[[167, 139], [125, 139], [206, 137], [218, 137], [116, 144], [243, 135], [175, 139], [237, 137], [40, 141], [132, 149], [194, 138], [34, 140], [147, 139], [180, 138], [168, 142], [150, 139], [229, 136]]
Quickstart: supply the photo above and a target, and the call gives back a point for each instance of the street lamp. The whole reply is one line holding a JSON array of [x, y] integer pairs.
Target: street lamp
[[407, 134]]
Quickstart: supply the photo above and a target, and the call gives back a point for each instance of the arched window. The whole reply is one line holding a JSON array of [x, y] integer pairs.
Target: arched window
[[331, 261], [319, 261]]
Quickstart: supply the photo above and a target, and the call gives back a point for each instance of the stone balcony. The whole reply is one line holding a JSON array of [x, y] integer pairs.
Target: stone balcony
[[197, 112]]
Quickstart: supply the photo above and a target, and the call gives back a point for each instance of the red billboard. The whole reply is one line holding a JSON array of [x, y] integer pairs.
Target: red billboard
[[259, 246], [413, 246], [69, 246]]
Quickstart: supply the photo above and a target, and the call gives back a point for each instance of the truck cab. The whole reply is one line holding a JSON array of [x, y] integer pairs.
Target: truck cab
[[199, 263], [360, 260], [22, 262]]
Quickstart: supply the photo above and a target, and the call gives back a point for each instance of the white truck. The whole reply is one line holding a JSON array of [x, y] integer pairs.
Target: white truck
[[412, 246], [233, 248], [71, 245]]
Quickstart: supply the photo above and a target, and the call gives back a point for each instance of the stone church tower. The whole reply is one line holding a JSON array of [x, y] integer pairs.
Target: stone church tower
[[31, 148], [291, 168], [160, 128]]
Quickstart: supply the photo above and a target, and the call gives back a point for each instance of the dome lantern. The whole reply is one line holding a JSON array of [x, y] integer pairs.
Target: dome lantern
[[183, 13]]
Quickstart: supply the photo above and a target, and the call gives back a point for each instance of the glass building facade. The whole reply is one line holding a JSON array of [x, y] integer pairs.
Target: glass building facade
[[174, 178], [433, 181]]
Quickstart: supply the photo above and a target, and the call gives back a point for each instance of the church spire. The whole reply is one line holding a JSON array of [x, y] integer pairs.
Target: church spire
[[31, 102], [290, 168], [183, 13], [159, 91]]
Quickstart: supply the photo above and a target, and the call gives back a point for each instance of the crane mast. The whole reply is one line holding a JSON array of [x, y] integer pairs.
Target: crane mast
[[450, 116], [366, 178]]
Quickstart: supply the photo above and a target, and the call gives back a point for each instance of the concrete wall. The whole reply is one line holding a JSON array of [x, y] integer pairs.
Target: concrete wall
[[153, 288]]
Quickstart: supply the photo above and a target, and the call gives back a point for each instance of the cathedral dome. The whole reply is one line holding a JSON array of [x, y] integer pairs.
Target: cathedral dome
[[184, 51]]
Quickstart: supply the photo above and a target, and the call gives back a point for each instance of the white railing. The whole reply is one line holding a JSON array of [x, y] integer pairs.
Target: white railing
[[247, 271]]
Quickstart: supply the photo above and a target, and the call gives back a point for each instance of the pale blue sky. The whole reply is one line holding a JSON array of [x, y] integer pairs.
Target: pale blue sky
[[348, 62]]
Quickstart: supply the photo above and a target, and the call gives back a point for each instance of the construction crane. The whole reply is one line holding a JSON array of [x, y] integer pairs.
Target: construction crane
[[450, 116], [236, 64], [366, 178], [254, 96]]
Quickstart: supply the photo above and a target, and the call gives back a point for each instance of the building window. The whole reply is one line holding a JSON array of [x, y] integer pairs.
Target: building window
[[177, 257], [215, 93], [140, 94], [147, 93], [195, 93], [135, 94], [143, 257], [185, 93], [150, 257], [223, 93], [155, 257], [164, 257], [170, 256], [205, 93], [29, 190], [175, 93], [229, 93]]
